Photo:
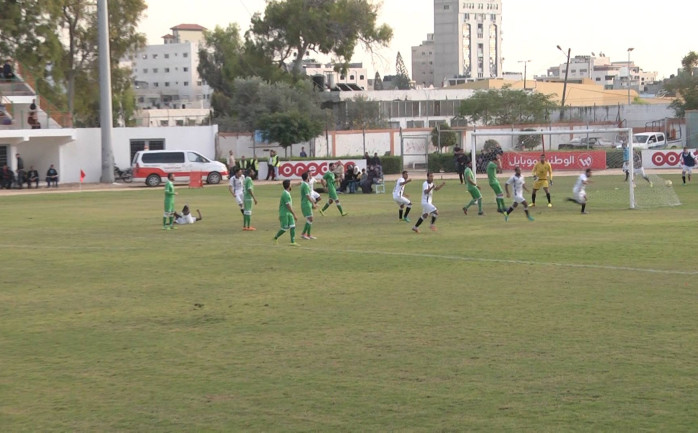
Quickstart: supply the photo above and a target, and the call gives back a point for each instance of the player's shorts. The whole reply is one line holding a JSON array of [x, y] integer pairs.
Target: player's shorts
[[687, 169], [239, 199], [519, 199], [287, 222], [307, 209], [540, 183], [169, 208], [475, 192], [496, 187], [315, 195], [580, 196], [332, 193], [428, 208], [400, 200], [249, 204]]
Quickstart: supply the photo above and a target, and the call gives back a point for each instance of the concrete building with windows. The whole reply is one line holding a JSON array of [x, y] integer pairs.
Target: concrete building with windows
[[467, 39], [166, 76], [604, 72], [327, 77], [423, 62]]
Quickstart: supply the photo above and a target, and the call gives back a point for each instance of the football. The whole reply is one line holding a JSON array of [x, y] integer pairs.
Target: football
[[668, 182]]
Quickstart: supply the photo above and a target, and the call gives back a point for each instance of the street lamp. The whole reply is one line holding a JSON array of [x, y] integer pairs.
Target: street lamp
[[629, 80], [567, 70], [525, 62]]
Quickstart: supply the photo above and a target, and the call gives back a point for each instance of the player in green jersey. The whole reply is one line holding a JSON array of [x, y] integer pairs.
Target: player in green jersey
[[328, 182], [494, 167], [474, 191], [248, 199], [307, 206], [287, 217], [168, 216]]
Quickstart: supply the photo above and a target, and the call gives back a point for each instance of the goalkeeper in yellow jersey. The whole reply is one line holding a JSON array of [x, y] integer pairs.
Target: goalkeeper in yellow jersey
[[543, 176]]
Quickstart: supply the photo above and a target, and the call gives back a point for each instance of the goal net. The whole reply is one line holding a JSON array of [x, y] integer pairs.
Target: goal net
[[606, 151]]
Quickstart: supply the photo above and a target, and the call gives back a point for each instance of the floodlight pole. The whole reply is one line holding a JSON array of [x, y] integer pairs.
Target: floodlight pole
[[629, 76], [105, 110], [564, 86]]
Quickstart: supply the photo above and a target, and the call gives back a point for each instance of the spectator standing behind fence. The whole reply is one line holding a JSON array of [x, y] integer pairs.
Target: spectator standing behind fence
[[303, 154], [231, 163], [51, 177], [20, 171]]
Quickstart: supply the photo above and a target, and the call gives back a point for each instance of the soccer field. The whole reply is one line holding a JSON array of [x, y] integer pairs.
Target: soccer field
[[567, 323]]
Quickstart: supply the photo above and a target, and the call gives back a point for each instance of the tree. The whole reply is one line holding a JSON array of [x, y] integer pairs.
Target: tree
[[443, 136], [402, 80], [377, 82], [288, 128], [291, 29], [506, 106], [685, 86]]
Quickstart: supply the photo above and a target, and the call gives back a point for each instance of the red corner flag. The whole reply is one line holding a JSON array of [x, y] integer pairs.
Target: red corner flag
[[82, 175]]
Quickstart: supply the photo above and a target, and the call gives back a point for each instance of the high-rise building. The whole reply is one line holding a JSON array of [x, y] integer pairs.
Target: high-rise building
[[467, 39], [166, 75], [423, 62]]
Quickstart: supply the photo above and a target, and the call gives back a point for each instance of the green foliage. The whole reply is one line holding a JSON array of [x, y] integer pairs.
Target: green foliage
[[289, 30], [506, 106], [288, 127], [444, 136], [685, 86], [441, 162], [391, 164]]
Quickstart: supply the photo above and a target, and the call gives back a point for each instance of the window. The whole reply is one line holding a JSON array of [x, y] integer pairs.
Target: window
[[167, 56], [155, 70], [195, 157], [198, 83], [145, 70], [167, 84], [3, 155], [137, 145], [185, 54], [167, 70], [155, 56], [185, 69], [156, 84], [447, 7], [186, 83], [141, 99], [351, 77]]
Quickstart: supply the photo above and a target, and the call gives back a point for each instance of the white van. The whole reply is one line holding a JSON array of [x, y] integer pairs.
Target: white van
[[153, 166]]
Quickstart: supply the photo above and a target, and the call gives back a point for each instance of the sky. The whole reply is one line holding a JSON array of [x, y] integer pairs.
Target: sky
[[661, 35]]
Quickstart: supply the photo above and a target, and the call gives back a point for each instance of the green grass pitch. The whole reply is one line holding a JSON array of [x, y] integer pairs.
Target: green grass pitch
[[568, 323]]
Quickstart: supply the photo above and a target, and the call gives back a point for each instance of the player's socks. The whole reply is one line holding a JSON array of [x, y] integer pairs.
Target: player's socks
[[293, 235], [407, 212], [341, 211], [684, 179], [242, 211], [324, 208], [164, 221], [279, 233], [528, 215], [399, 213], [547, 195], [533, 199], [479, 206], [433, 219], [584, 206], [419, 222], [170, 221]]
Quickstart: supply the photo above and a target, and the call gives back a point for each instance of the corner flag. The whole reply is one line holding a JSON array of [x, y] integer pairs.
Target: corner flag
[[82, 175]]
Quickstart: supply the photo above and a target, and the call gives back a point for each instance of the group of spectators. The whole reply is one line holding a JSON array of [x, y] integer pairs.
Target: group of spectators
[[18, 178], [249, 166]]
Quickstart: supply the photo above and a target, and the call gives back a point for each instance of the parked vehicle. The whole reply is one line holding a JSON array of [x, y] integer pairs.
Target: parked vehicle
[[649, 140], [125, 175], [587, 143], [152, 166]]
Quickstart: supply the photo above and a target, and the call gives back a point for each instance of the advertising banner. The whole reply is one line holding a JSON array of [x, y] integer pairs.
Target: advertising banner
[[594, 159], [294, 169], [664, 158]]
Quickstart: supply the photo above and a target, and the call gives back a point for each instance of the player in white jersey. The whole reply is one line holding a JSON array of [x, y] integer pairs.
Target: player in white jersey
[[428, 189], [400, 198], [235, 186], [580, 195], [186, 217], [518, 184], [314, 194]]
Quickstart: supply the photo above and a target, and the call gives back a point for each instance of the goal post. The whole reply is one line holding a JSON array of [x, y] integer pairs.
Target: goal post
[[565, 141]]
